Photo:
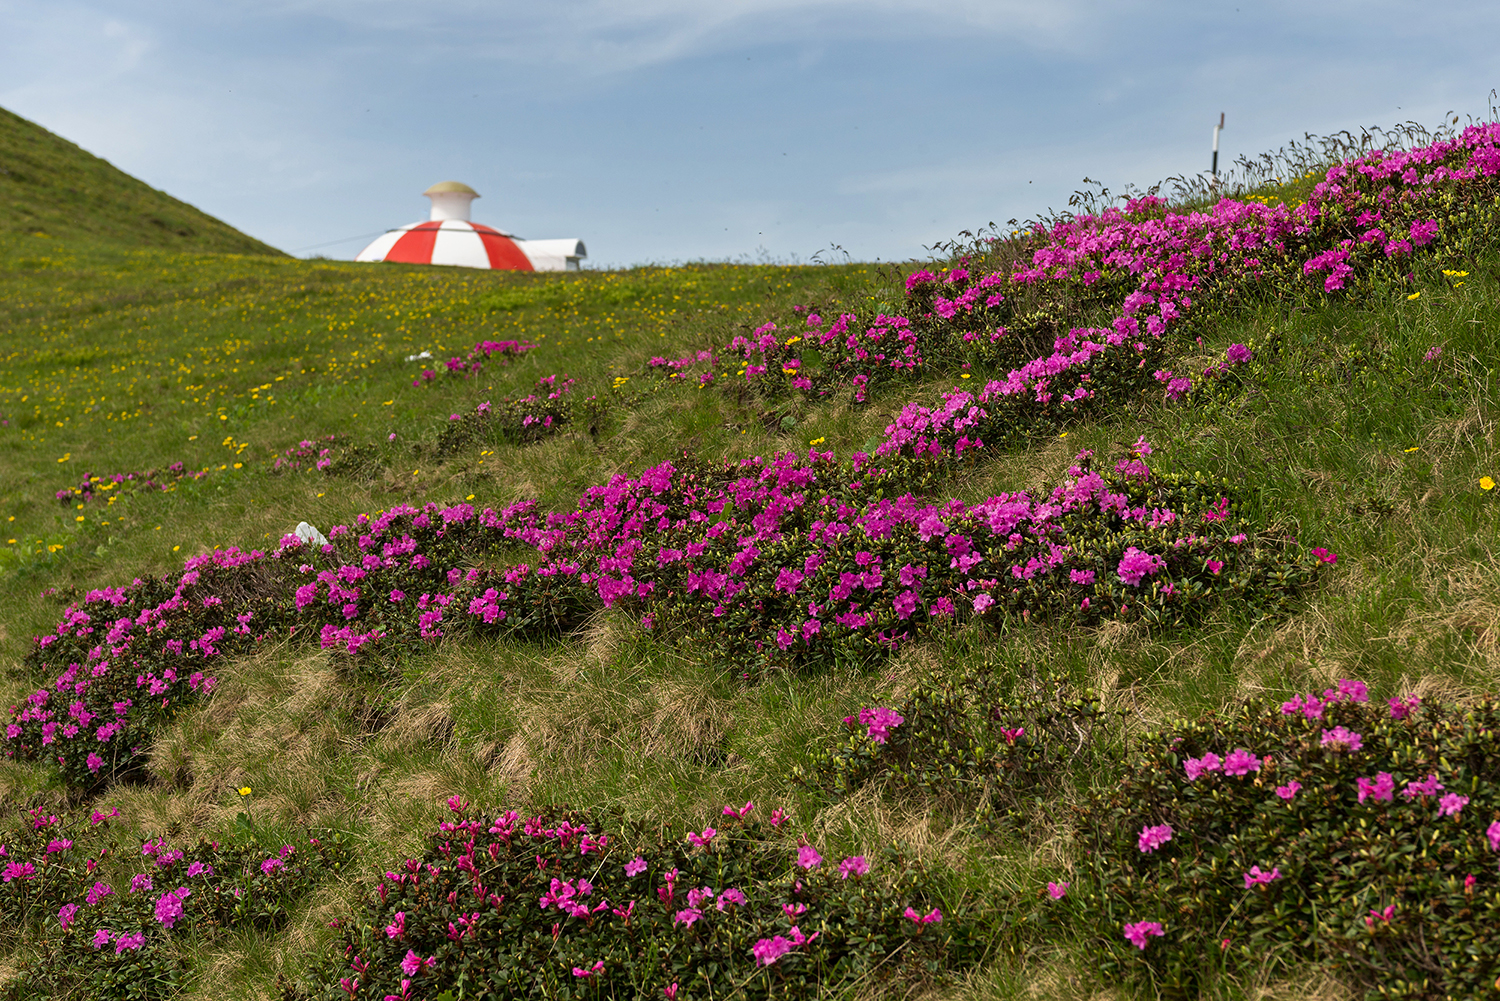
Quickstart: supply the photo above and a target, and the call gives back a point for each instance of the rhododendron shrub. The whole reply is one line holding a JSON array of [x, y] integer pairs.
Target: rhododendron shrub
[[549, 408], [107, 487], [983, 747], [1087, 312], [1336, 829], [796, 561], [531, 906], [103, 909]]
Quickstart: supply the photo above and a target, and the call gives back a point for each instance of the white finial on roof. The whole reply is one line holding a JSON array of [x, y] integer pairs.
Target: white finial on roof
[[450, 200]]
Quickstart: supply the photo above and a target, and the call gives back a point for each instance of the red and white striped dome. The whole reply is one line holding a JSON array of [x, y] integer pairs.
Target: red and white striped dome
[[450, 238], [449, 241]]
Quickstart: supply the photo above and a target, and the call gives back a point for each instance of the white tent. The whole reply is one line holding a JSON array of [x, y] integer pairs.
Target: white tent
[[448, 237]]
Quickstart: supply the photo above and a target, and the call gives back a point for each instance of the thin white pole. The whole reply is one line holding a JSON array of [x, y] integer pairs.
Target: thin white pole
[[1217, 129]]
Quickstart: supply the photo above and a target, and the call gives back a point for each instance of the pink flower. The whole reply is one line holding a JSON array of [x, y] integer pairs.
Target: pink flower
[[65, 915], [1255, 877], [808, 857], [769, 950], [779, 817], [1138, 933], [635, 866], [1241, 762], [132, 941], [702, 840], [855, 865], [932, 917], [1325, 556], [1153, 838], [397, 927], [880, 721], [1289, 791], [169, 908], [1136, 565], [1057, 891], [1430, 786], [1494, 835], [102, 937], [670, 993], [1451, 804], [598, 967], [1198, 767], [1402, 708], [1341, 739], [414, 964], [1382, 787], [742, 812]]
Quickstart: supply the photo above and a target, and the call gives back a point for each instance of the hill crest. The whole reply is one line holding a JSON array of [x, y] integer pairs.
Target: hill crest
[[51, 186]]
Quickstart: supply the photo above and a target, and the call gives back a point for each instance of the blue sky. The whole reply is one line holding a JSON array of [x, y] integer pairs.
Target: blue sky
[[669, 130]]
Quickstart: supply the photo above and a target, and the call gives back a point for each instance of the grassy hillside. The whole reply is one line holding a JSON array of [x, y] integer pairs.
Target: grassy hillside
[[52, 190], [1109, 608]]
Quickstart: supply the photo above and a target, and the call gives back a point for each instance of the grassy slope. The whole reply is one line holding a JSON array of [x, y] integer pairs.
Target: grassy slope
[[136, 357], [51, 188]]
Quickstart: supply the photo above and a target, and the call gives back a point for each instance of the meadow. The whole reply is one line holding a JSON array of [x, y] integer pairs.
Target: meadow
[[1103, 607]]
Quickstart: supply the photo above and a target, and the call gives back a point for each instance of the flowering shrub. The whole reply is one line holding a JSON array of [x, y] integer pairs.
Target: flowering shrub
[[1332, 828], [545, 411], [107, 487], [474, 359], [101, 910], [553, 906], [967, 744], [796, 561], [333, 455], [1138, 273]]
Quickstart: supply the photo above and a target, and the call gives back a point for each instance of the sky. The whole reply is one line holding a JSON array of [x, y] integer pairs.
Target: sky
[[661, 131]]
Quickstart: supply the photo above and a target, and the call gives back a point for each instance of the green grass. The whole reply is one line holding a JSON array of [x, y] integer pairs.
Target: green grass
[[124, 351], [51, 189]]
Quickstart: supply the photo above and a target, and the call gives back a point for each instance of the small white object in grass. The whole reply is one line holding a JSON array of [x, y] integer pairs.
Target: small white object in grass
[[310, 535], [424, 354]]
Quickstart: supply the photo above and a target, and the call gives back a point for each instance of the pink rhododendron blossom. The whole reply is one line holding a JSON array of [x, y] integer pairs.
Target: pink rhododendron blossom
[[855, 865], [1402, 708], [1255, 877], [808, 857], [1382, 787], [1241, 762], [1135, 565], [1152, 838], [1196, 768], [932, 917], [879, 722], [768, 950], [169, 909], [1140, 931], [1341, 739], [1290, 790], [635, 866], [1057, 891], [1451, 805], [1430, 786]]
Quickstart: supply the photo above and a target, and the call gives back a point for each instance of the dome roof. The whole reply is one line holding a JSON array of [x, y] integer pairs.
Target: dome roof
[[448, 237], [449, 241]]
